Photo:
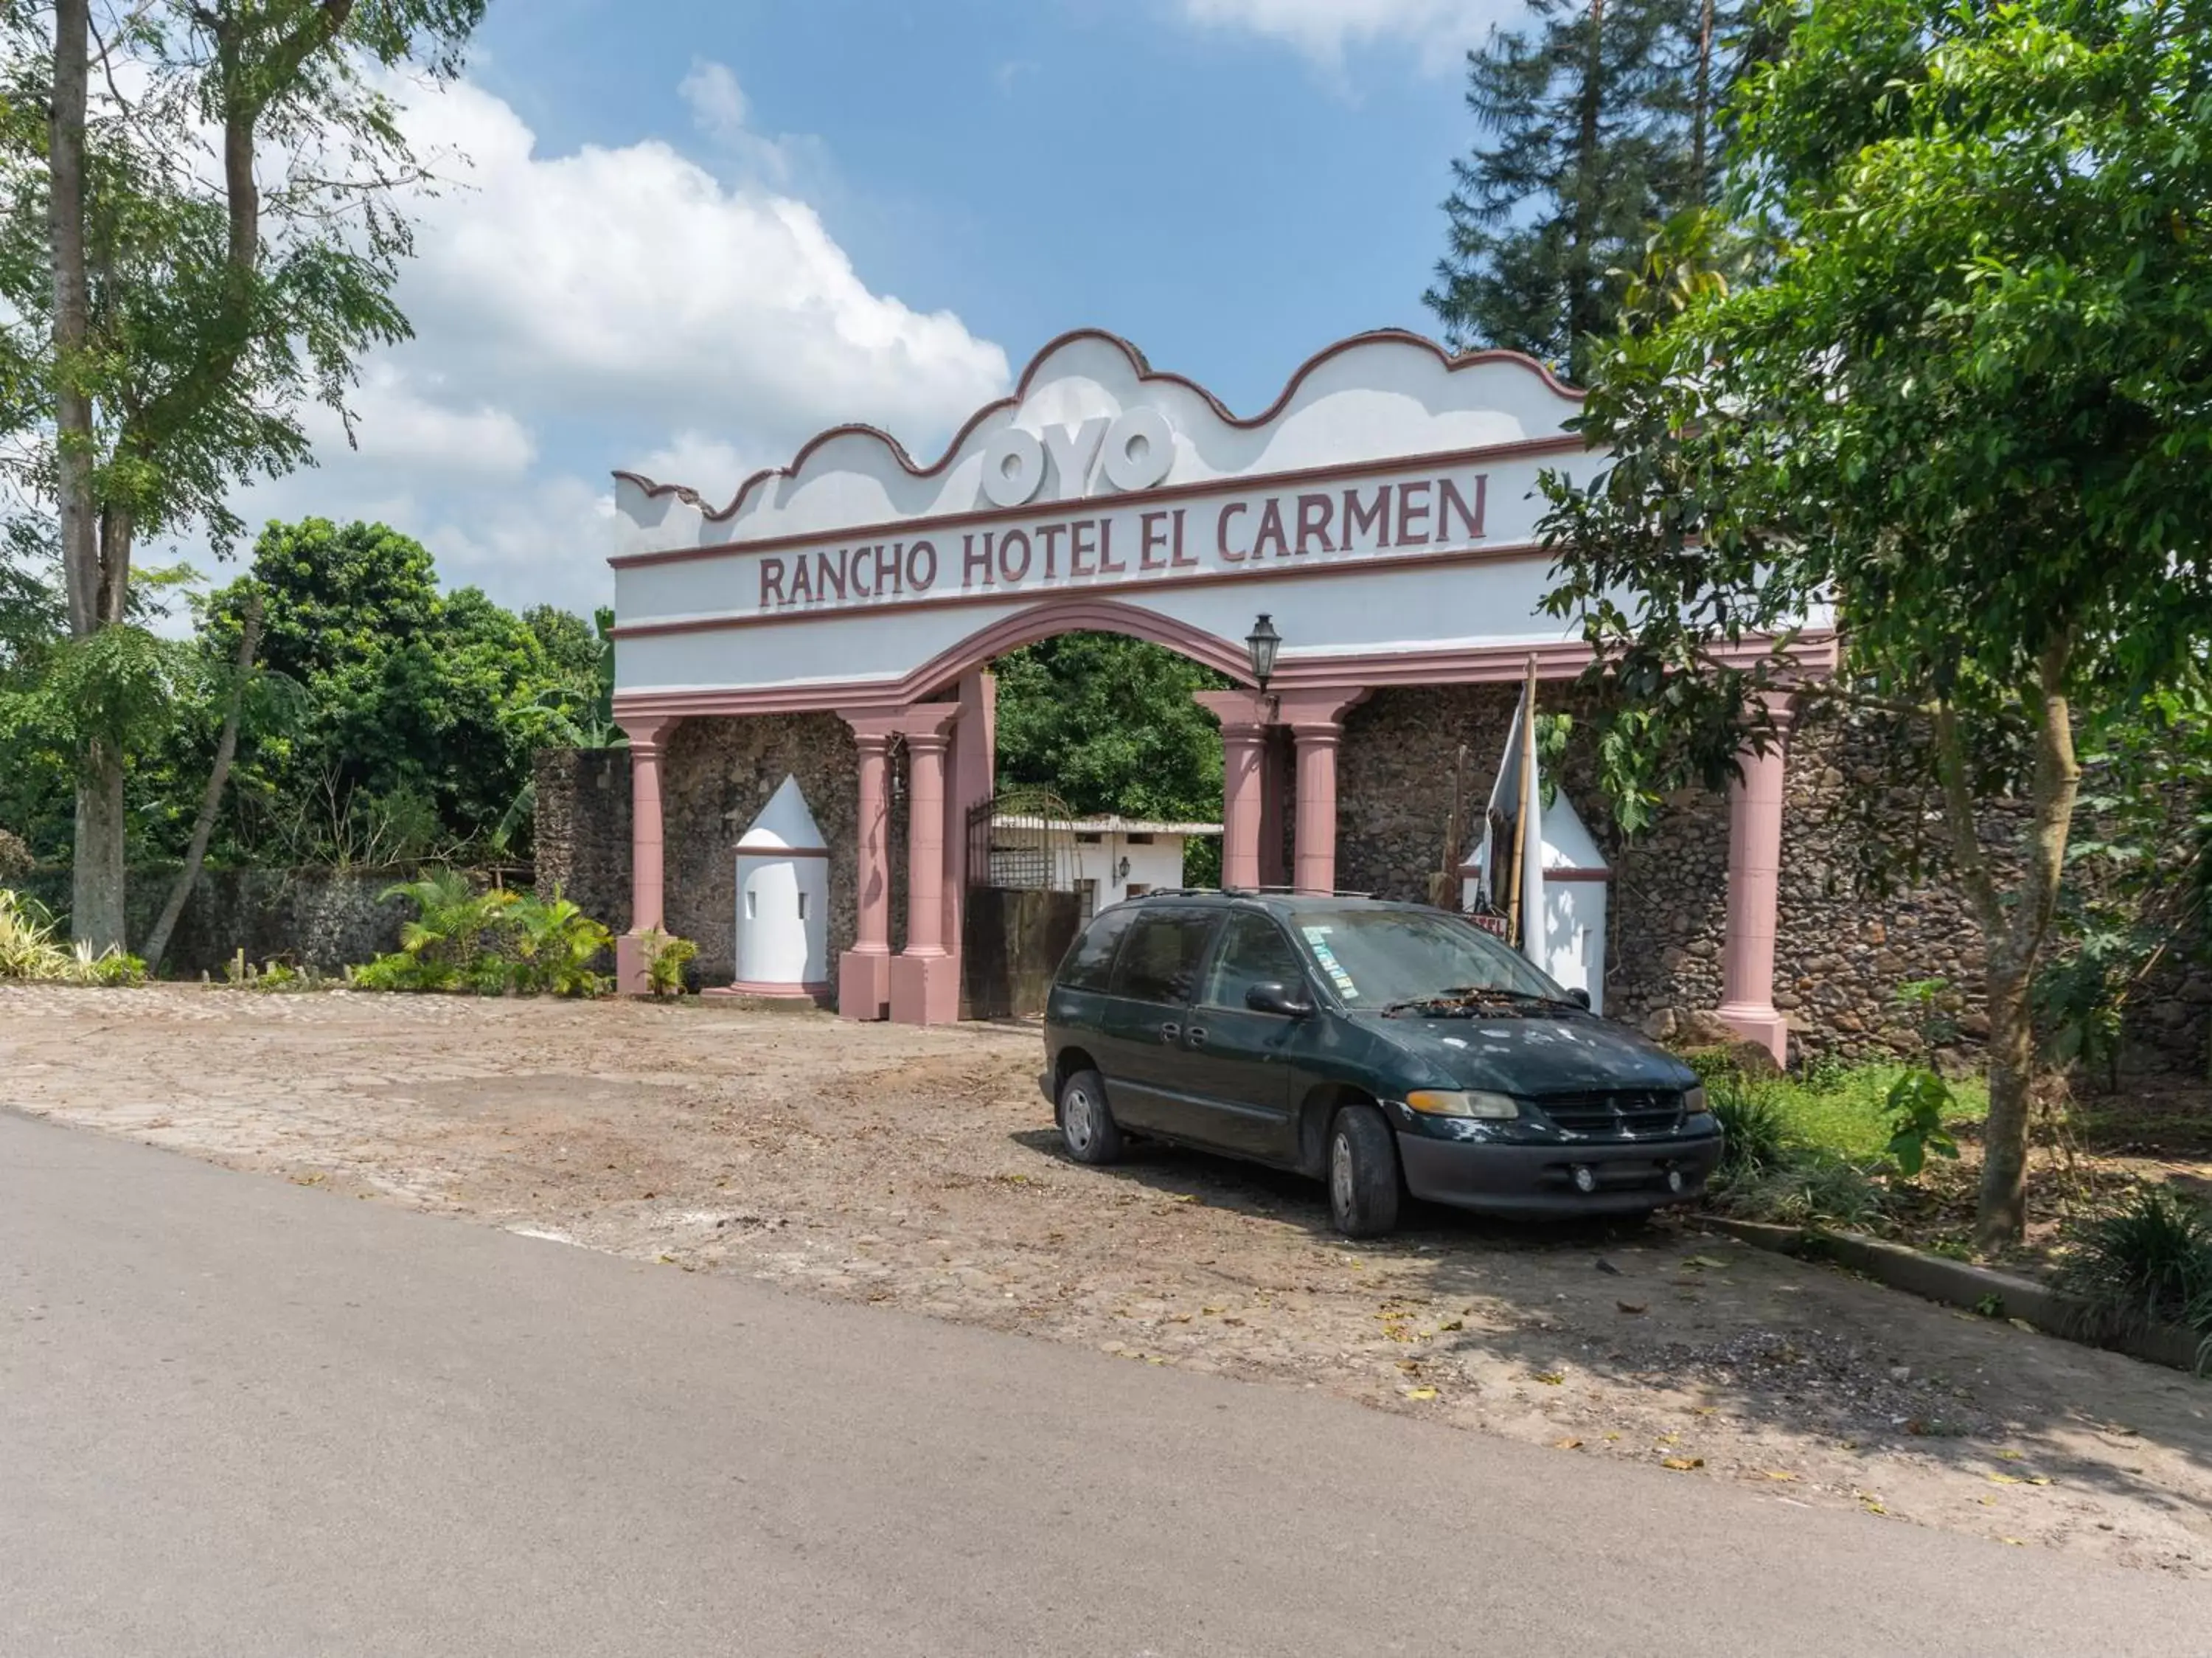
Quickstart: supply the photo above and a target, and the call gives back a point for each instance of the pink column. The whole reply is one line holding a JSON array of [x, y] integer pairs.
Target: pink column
[[1315, 716], [1755, 888], [1243, 738], [646, 862], [1314, 860], [864, 972], [925, 976]]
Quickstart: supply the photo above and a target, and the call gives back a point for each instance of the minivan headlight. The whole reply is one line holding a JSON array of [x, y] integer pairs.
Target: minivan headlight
[[1435, 1102], [1694, 1101]]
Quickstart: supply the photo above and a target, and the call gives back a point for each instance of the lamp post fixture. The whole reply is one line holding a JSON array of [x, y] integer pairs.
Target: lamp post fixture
[[1261, 646]]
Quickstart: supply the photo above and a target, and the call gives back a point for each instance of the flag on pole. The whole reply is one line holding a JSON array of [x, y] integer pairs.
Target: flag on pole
[[1516, 807]]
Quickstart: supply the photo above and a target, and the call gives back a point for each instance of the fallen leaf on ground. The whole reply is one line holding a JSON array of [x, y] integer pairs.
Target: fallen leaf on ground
[[1566, 1445], [2004, 1479], [1549, 1378], [2011, 1456], [1629, 1306], [1780, 1474], [1420, 1393], [1706, 1260], [1456, 1324], [1682, 1463], [1604, 1265]]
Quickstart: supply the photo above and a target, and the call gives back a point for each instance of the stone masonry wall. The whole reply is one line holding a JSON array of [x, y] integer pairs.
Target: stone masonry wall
[[715, 777], [581, 834], [1841, 954]]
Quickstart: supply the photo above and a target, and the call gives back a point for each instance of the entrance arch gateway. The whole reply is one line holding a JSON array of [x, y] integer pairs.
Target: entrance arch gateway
[[1384, 510]]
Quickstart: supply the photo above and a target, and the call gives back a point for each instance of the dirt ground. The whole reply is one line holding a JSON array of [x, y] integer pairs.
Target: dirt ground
[[884, 1164]]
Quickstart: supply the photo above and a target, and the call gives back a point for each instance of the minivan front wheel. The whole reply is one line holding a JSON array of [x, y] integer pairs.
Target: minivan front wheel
[[1363, 1173], [1087, 1127]]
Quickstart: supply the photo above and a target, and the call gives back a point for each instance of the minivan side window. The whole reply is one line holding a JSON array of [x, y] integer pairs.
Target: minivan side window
[[1160, 962], [1090, 963], [1253, 952]]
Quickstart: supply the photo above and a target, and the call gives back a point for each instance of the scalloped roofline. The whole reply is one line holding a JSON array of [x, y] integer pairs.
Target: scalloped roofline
[[1146, 375]]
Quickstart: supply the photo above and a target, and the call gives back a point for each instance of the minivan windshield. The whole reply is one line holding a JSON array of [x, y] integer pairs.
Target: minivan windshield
[[1379, 959]]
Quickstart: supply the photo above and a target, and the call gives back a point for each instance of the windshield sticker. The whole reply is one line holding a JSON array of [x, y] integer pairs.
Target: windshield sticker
[[1315, 934], [1329, 964]]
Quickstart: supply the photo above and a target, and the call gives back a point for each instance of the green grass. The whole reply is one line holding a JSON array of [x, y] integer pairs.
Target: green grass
[[1849, 1115]]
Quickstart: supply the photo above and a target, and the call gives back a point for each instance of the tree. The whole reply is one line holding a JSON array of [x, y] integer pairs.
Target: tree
[[205, 241], [1601, 123], [420, 711], [1966, 415]]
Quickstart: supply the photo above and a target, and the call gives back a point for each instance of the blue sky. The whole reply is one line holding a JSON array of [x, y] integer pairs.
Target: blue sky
[[684, 235]]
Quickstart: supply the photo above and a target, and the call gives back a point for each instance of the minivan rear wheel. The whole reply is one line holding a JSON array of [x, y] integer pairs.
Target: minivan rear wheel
[[1363, 1173], [1087, 1127]]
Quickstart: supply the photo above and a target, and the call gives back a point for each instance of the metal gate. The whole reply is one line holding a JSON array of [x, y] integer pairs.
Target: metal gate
[[1020, 912]]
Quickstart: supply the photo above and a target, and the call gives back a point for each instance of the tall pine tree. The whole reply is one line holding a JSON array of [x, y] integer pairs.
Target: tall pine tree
[[1598, 122]]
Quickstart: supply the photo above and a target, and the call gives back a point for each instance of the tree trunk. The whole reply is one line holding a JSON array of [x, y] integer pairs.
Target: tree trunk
[[1582, 278], [226, 750], [96, 873], [96, 883], [1701, 115], [2001, 1214], [72, 324], [2014, 935]]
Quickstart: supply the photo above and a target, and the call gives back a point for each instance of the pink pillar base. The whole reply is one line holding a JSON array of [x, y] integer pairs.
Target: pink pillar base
[[924, 989], [629, 966], [864, 985], [1764, 1026]]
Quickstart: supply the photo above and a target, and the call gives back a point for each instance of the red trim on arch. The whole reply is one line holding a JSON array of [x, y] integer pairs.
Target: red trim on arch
[[1146, 374]]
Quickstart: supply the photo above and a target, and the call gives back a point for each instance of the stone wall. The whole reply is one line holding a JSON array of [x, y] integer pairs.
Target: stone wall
[[1842, 952], [1841, 955], [1668, 912], [581, 835], [326, 919], [715, 777]]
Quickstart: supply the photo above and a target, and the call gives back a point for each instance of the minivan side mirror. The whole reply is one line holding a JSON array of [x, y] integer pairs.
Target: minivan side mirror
[[1278, 998], [1579, 997]]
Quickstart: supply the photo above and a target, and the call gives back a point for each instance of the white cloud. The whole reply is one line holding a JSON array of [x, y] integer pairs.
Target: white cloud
[[615, 307], [1442, 30], [717, 102], [631, 280]]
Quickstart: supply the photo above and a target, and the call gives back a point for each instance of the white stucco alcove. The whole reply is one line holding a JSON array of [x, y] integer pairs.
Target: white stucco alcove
[[783, 900]]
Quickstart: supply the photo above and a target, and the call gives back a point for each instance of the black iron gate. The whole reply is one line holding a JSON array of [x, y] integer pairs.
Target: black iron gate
[[1020, 912]]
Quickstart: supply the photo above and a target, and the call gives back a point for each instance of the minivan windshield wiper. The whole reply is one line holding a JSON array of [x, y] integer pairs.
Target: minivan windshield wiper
[[1463, 1000]]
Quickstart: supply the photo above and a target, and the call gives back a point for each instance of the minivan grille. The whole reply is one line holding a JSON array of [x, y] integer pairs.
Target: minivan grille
[[1638, 1111]]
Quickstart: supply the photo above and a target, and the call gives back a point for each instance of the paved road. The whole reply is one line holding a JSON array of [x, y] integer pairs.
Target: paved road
[[241, 1417]]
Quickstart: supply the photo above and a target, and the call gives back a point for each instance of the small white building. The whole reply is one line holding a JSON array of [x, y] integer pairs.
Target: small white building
[[783, 900], [1115, 858], [1572, 942]]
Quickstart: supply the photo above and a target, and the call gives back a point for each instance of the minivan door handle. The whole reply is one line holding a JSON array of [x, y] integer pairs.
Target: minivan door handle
[[1169, 1030]]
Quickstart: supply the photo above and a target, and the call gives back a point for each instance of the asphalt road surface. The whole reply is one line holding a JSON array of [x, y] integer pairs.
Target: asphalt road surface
[[241, 1417]]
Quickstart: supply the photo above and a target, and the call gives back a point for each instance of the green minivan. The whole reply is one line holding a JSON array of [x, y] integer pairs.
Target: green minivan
[[1387, 1048]]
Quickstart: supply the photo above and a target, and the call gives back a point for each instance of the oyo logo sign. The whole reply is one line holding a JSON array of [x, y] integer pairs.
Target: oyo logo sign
[[1133, 451]]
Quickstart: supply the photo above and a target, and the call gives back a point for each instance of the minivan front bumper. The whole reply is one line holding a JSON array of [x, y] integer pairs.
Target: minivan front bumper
[[1503, 1178]]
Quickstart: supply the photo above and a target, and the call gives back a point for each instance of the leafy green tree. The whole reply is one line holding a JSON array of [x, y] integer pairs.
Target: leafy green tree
[[1108, 723], [418, 711], [1598, 121], [1966, 416], [173, 317]]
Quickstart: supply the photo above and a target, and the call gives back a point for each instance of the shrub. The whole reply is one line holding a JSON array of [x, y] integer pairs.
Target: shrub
[[1809, 1186], [2148, 1263], [1751, 1116], [487, 944], [28, 951], [553, 946], [665, 960], [15, 857]]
